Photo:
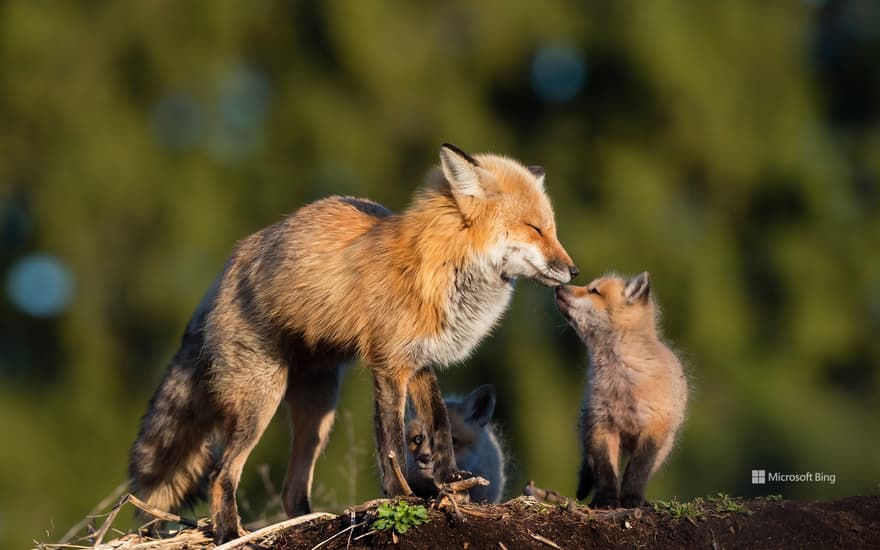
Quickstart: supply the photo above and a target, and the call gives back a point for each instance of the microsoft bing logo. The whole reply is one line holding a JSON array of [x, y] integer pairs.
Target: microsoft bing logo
[[759, 477]]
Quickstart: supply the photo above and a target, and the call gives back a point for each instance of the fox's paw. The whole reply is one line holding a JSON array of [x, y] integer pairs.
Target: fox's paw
[[604, 501], [222, 535], [631, 501]]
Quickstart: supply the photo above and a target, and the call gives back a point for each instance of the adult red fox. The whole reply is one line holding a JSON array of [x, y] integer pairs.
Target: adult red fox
[[637, 387], [474, 443], [342, 278]]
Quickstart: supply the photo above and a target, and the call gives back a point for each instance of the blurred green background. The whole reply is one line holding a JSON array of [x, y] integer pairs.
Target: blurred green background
[[731, 148]]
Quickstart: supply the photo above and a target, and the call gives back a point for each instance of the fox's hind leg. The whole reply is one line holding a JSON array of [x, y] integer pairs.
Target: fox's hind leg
[[585, 478], [312, 392], [248, 397], [424, 393], [604, 452], [585, 475], [638, 471]]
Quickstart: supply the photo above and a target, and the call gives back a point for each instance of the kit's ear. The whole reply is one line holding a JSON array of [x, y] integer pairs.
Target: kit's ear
[[538, 172], [638, 288], [480, 404]]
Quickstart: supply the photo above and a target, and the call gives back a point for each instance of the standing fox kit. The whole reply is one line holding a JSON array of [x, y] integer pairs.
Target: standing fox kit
[[637, 388], [342, 278], [474, 442]]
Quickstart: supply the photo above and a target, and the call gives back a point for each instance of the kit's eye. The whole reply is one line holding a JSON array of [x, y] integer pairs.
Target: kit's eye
[[418, 439], [595, 291], [537, 229]]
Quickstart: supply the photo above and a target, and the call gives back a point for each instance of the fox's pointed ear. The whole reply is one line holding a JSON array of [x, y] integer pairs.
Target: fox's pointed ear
[[480, 404], [637, 288], [462, 171], [538, 172]]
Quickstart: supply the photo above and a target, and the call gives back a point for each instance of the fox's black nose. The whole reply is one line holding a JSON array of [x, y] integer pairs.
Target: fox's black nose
[[574, 271], [424, 459]]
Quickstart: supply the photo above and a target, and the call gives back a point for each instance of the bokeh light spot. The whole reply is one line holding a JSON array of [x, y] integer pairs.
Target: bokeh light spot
[[40, 285], [177, 121], [243, 95], [558, 73]]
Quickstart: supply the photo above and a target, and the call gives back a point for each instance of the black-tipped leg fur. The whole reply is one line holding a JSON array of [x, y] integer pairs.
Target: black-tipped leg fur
[[312, 391], [605, 476], [247, 413], [585, 479], [638, 471]]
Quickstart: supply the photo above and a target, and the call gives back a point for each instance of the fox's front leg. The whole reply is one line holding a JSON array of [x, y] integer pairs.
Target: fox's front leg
[[424, 393], [389, 417]]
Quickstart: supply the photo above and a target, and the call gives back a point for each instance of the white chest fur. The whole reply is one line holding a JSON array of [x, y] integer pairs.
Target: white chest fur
[[475, 303]]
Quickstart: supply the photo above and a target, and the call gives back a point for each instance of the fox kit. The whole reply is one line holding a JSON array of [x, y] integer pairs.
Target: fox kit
[[342, 278], [637, 388], [474, 442]]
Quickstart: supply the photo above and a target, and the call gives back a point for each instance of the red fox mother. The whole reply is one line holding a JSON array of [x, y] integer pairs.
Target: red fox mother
[[342, 278]]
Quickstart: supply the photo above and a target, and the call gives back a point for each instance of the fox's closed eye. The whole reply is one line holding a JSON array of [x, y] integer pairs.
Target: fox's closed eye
[[595, 291], [536, 228]]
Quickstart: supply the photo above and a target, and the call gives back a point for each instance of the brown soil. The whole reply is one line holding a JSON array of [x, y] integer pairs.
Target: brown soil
[[525, 522], [852, 522]]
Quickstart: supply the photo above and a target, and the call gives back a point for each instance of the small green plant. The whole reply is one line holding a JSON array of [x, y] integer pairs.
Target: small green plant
[[773, 498], [724, 503], [400, 516], [679, 510]]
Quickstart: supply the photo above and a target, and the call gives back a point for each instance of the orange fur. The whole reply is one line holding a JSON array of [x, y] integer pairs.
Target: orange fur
[[342, 278], [637, 392]]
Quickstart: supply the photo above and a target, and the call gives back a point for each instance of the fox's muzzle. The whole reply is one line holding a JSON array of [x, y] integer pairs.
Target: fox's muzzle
[[562, 299], [563, 271]]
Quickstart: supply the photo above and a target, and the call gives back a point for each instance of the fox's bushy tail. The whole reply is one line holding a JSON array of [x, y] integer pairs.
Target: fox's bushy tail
[[173, 456]]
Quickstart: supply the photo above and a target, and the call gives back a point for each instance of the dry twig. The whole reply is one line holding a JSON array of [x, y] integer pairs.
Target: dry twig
[[128, 497], [398, 474], [280, 526], [463, 485], [448, 492], [348, 530], [366, 506], [550, 496], [546, 541], [105, 502], [471, 511], [614, 515]]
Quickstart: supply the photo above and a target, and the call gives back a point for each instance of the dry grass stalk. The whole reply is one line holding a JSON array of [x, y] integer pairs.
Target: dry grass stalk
[[280, 526]]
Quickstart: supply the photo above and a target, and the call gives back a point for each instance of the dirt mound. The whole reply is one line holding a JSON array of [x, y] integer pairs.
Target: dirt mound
[[523, 523]]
